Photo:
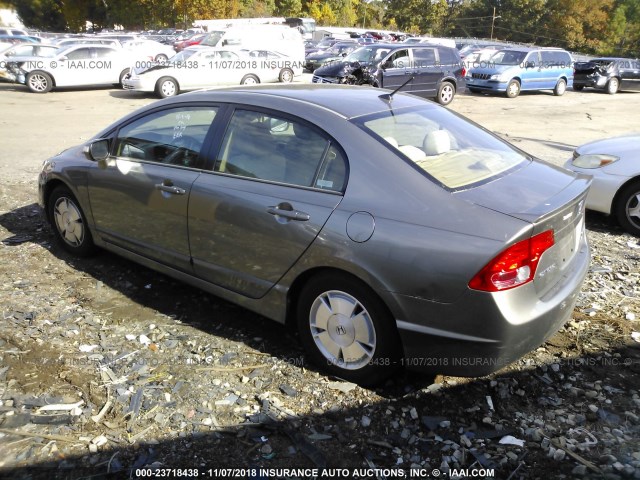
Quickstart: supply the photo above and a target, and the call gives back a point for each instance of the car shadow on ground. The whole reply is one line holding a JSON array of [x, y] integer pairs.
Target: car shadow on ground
[[149, 289], [412, 422], [423, 430]]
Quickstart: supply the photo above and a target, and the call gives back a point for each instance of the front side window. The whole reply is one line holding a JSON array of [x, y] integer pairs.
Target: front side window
[[448, 148], [172, 137], [268, 147], [509, 57]]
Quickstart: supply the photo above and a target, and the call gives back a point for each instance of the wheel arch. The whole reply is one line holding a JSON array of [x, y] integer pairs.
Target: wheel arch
[[616, 197], [49, 187], [51, 76], [293, 294]]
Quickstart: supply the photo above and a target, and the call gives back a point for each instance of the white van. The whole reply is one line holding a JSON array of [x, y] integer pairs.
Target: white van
[[276, 38]]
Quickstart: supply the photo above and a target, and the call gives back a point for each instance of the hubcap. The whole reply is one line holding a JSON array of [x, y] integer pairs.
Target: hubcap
[[38, 83], [250, 81], [343, 330], [287, 76], [513, 88], [69, 222], [168, 89], [447, 94], [633, 209], [561, 87]]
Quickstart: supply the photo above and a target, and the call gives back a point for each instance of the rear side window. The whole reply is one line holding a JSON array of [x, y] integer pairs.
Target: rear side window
[[267, 147], [555, 59], [448, 57], [424, 57]]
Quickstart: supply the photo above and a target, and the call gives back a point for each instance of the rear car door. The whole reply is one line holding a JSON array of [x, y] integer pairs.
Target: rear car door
[[629, 74], [275, 182], [139, 198], [427, 71]]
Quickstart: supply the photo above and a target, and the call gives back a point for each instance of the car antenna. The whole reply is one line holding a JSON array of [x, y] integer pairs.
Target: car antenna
[[389, 96]]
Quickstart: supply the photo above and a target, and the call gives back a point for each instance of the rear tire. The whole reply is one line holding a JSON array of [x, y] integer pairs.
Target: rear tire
[[161, 58], [347, 330], [612, 86], [123, 74], [446, 92], [167, 87], [560, 88], [513, 89], [627, 208], [69, 223], [578, 88]]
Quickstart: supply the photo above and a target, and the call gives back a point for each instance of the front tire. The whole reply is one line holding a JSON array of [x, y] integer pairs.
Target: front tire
[[39, 82], [167, 87], [347, 330], [560, 88], [627, 208], [513, 89], [612, 86], [446, 92], [69, 223], [250, 79]]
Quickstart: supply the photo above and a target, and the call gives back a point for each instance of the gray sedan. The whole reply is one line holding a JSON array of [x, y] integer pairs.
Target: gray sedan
[[388, 230]]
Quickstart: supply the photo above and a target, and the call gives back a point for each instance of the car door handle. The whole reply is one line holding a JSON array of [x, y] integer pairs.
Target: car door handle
[[169, 187], [286, 211]]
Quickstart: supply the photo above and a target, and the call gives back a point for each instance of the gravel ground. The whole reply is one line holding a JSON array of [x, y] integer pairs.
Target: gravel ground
[[106, 367]]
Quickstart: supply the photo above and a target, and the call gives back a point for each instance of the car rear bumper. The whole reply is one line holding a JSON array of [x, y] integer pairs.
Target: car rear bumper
[[484, 332]]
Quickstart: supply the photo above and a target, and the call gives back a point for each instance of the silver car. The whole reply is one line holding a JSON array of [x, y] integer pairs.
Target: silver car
[[388, 230], [614, 164]]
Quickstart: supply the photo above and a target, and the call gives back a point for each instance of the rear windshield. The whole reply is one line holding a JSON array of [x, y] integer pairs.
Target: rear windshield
[[450, 149]]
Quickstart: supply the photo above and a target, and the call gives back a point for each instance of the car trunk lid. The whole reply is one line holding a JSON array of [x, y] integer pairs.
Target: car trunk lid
[[547, 198]]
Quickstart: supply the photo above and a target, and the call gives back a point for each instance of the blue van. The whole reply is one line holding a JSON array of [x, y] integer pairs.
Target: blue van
[[512, 70]]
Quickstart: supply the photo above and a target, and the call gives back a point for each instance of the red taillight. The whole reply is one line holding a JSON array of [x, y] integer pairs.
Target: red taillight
[[464, 72], [515, 266]]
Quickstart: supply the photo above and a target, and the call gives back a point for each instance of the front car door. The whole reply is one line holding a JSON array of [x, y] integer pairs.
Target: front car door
[[139, 198], [531, 71], [275, 183], [396, 69]]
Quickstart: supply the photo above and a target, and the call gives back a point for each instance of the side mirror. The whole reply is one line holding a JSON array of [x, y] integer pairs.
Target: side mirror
[[530, 65], [387, 64], [63, 59], [344, 54], [98, 150]]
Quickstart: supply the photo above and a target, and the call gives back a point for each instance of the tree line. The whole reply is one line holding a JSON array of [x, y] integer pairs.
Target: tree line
[[601, 27]]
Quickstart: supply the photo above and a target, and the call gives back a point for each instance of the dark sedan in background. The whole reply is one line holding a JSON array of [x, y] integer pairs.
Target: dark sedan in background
[[608, 74], [390, 231]]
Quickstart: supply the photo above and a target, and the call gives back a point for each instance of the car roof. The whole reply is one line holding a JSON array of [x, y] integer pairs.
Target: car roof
[[347, 101]]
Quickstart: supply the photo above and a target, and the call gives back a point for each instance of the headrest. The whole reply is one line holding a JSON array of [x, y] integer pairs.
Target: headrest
[[436, 142]]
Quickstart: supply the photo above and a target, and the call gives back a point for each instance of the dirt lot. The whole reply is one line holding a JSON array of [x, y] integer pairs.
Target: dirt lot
[[158, 374]]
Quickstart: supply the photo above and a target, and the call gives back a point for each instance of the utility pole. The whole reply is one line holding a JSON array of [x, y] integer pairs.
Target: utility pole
[[493, 20]]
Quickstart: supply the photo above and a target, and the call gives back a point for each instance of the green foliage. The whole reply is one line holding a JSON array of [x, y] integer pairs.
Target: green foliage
[[592, 26]]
